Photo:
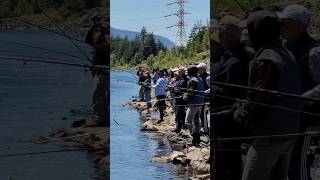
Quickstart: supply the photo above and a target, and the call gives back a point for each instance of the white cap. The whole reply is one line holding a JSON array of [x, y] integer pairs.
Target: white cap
[[174, 69], [202, 65], [295, 12]]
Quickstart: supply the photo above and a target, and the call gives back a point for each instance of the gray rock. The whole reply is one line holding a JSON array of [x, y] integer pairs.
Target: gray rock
[[78, 123], [161, 159], [148, 126], [59, 133], [177, 146], [37, 138]]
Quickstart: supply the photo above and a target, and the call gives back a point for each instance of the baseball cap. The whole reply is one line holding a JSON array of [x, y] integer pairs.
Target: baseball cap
[[174, 69], [295, 12], [202, 65], [228, 22]]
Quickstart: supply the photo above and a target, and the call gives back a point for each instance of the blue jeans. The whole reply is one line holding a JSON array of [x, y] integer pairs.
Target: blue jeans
[[147, 96]]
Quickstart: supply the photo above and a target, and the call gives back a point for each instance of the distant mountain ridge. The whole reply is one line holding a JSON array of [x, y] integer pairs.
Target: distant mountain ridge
[[131, 35]]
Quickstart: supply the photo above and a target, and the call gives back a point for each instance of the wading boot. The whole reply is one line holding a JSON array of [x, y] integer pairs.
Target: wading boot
[[195, 140]]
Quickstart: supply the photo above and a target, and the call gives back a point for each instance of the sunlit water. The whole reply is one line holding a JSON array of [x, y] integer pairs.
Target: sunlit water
[[131, 149]]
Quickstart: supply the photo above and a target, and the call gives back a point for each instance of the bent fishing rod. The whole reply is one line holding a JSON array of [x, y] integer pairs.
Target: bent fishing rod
[[73, 43], [41, 48], [273, 92], [58, 33], [53, 62]]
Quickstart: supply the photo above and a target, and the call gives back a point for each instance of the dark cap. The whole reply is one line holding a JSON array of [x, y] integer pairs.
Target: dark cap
[[295, 12], [228, 22], [263, 27]]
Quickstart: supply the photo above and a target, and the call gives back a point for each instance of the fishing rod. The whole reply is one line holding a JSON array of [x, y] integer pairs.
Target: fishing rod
[[58, 33], [50, 151], [53, 62], [261, 104], [41, 48], [75, 45], [273, 92], [53, 140], [311, 133]]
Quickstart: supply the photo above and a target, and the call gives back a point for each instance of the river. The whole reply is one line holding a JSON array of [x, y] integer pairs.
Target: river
[[131, 149], [38, 98]]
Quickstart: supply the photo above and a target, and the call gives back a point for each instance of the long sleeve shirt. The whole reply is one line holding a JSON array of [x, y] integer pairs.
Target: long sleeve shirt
[[159, 87]]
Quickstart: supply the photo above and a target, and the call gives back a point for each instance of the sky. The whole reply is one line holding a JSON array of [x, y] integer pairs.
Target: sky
[[132, 15]]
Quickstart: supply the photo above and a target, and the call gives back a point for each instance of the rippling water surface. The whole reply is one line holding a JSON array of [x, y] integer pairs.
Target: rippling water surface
[[37, 98], [131, 149]]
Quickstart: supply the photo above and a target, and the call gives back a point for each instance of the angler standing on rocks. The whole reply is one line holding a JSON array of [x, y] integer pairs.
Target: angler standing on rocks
[[195, 97], [202, 71], [99, 38], [230, 64], [295, 20], [178, 89], [161, 94]]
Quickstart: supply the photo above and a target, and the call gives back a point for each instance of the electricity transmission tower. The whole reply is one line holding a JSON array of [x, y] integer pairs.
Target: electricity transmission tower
[[181, 33]]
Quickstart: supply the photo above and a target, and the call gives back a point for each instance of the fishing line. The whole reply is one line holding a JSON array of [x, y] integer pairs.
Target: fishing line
[[51, 151], [53, 140], [41, 48], [58, 33], [75, 45], [54, 62]]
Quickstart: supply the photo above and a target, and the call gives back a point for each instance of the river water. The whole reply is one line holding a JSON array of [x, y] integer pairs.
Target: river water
[[131, 149], [38, 98]]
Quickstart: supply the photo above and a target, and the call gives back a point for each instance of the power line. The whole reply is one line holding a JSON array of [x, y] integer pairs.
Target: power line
[[138, 8], [181, 33]]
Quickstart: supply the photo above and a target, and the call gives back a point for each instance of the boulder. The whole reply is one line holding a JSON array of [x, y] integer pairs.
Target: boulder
[[37, 138], [176, 154], [204, 139], [148, 126], [59, 133], [177, 146], [161, 159], [201, 177], [78, 123]]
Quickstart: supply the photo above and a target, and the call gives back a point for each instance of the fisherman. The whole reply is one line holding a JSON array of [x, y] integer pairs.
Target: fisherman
[[195, 97], [230, 65], [161, 94], [202, 71], [140, 82], [273, 68], [99, 38], [295, 21], [178, 89], [94, 30], [147, 89]]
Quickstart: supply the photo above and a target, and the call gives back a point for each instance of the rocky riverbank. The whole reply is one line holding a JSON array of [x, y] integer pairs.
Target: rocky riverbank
[[193, 159], [95, 139]]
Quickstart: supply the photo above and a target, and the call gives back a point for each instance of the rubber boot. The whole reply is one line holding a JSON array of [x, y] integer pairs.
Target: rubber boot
[[195, 140]]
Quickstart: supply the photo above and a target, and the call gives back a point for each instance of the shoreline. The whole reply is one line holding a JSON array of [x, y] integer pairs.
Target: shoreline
[[191, 159], [91, 139]]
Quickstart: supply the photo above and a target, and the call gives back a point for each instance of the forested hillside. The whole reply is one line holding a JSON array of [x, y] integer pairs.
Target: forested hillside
[[144, 50], [73, 11]]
